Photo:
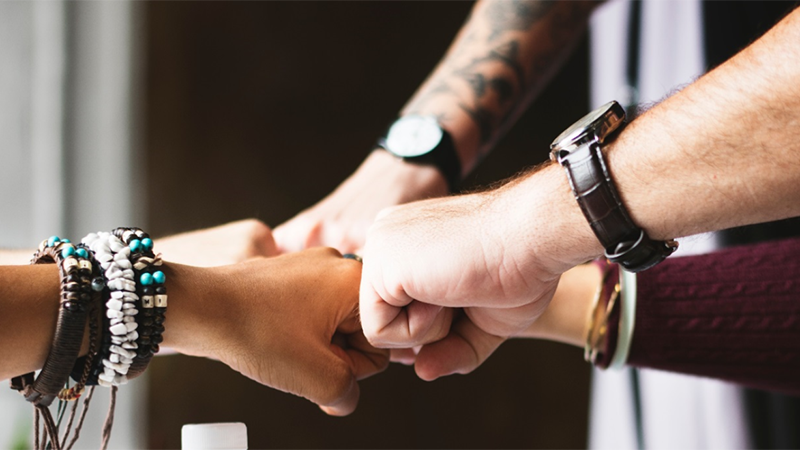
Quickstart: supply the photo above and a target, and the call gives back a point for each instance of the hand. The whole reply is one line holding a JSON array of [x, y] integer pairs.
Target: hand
[[289, 322], [565, 319], [426, 258], [341, 219], [222, 245]]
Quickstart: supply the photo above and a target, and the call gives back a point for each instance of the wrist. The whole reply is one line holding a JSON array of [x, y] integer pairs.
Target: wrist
[[462, 129], [542, 223], [414, 181], [194, 319], [567, 316]]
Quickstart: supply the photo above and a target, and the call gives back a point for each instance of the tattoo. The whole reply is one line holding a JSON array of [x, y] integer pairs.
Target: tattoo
[[516, 15], [504, 89], [440, 87], [483, 118], [476, 80], [489, 59], [508, 54]]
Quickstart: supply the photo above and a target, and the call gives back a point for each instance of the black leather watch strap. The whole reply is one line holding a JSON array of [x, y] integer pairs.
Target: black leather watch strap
[[444, 157], [625, 243]]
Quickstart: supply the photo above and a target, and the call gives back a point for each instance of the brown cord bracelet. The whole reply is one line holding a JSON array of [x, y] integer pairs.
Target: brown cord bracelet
[[75, 269]]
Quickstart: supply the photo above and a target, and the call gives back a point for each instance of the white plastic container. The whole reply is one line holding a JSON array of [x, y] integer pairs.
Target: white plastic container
[[214, 436]]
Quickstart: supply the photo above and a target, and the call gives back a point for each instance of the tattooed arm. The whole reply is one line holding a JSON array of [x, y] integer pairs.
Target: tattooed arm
[[504, 54]]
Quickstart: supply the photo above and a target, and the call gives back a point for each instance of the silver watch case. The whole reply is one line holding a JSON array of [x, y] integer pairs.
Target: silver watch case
[[595, 126]]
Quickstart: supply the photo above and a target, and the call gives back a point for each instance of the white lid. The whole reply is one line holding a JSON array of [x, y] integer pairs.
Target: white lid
[[214, 436]]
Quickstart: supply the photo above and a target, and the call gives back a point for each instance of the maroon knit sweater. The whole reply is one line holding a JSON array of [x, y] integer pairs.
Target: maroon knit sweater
[[733, 315]]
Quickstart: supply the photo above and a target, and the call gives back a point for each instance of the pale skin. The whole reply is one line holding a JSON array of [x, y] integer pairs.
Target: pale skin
[[723, 152], [566, 318], [502, 57], [228, 244], [289, 322]]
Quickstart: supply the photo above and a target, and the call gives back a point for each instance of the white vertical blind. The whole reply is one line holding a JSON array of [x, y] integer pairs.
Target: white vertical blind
[[69, 80]]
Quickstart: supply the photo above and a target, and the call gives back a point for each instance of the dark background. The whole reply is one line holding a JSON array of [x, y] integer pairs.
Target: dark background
[[259, 109]]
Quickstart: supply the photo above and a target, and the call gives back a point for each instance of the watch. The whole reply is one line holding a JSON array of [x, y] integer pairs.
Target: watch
[[421, 140], [579, 150]]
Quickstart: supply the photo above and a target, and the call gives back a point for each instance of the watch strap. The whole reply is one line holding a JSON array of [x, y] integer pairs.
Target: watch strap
[[443, 156], [625, 243]]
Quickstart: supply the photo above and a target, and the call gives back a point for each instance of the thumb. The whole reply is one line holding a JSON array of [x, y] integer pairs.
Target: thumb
[[462, 351]]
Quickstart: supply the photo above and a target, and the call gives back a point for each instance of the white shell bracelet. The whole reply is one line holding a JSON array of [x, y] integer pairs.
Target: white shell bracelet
[[114, 257]]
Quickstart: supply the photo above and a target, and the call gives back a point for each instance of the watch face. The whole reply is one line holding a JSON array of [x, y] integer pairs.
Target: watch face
[[413, 136], [601, 122]]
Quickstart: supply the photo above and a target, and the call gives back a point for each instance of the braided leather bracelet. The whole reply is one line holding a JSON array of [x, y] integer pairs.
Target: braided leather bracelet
[[76, 269]]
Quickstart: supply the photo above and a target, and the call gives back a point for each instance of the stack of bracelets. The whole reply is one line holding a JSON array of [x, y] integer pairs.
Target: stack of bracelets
[[112, 285]]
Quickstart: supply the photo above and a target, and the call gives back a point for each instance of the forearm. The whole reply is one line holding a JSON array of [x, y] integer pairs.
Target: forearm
[[28, 312], [723, 152], [503, 56], [30, 303]]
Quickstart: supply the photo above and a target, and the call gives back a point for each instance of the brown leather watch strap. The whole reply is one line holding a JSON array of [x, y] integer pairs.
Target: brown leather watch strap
[[624, 242]]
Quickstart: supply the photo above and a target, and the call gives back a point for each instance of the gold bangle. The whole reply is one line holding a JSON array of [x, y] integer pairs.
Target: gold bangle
[[603, 328], [598, 320], [587, 347]]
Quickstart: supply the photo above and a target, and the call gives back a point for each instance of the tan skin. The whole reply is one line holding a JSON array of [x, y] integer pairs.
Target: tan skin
[[288, 322]]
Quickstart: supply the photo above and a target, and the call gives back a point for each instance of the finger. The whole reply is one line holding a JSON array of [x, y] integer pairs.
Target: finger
[[335, 235], [506, 321], [346, 404], [265, 243], [351, 324], [327, 379], [298, 234], [284, 241], [376, 314], [388, 324], [364, 359], [462, 351], [385, 212], [406, 356]]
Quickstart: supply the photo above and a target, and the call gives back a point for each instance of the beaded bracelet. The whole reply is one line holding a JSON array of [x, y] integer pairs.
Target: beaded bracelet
[[118, 349], [82, 370], [152, 295], [75, 269]]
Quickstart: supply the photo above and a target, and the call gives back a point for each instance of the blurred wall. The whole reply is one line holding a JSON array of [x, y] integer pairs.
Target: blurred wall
[[69, 74], [259, 109]]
